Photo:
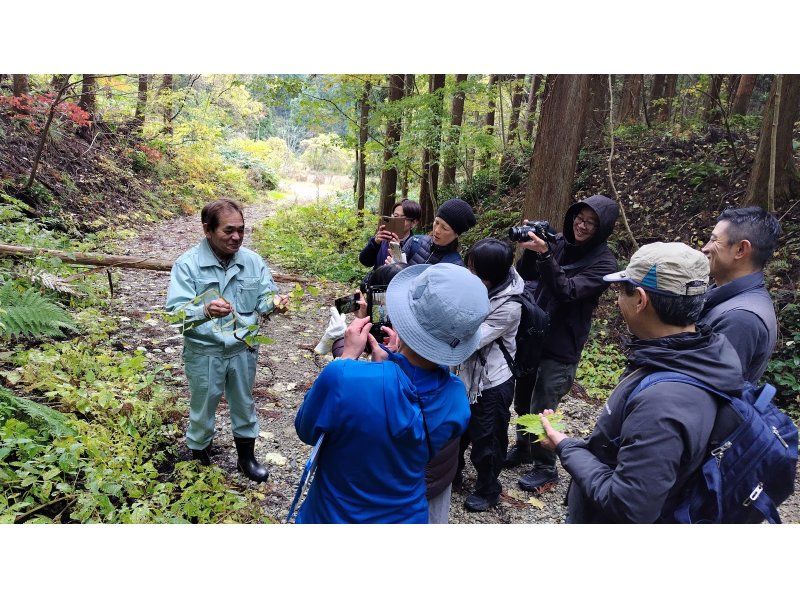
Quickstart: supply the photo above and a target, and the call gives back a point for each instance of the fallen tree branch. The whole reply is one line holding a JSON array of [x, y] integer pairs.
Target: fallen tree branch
[[115, 261]]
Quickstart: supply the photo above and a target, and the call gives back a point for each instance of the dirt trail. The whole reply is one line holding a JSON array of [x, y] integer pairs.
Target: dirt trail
[[286, 369]]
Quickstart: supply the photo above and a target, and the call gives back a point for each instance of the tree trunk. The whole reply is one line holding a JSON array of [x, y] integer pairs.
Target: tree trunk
[[429, 183], [630, 99], [516, 103], [88, 99], [393, 131], [555, 151], [363, 131], [490, 113], [670, 91], [711, 107], [597, 115], [20, 85], [657, 94], [141, 103], [787, 179], [167, 85], [533, 98], [456, 118], [408, 118], [743, 92]]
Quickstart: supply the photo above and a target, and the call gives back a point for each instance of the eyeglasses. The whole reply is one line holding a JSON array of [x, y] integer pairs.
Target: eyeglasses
[[400, 216], [587, 224]]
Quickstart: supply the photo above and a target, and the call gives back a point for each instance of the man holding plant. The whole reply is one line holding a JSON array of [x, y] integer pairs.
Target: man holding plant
[[221, 288]]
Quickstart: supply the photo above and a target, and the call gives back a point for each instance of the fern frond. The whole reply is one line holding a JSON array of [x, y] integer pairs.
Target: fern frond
[[54, 422], [29, 313]]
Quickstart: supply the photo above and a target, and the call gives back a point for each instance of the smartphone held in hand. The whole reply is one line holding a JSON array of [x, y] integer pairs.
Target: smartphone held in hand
[[348, 303]]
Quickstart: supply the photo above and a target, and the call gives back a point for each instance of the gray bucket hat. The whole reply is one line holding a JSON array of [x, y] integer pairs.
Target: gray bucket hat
[[437, 310]]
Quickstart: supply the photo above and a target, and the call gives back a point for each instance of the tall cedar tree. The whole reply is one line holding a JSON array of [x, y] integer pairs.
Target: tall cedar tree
[[533, 98], [20, 85], [141, 103], [88, 100], [597, 115], [630, 100], [429, 181], [363, 131], [555, 151], [488, 122], [393, 130], [516, 102], [657, 114], [670, 91], [456, 119], [743, 93], [787, 179], [408, 116], [167, 85], [711, 107]]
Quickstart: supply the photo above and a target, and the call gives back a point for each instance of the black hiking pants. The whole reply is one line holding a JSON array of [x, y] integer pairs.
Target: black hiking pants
[[488, 433]]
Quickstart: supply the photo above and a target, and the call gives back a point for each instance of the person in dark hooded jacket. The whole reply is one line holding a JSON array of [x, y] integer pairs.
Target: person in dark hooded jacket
[[644, 448], [568, 275]]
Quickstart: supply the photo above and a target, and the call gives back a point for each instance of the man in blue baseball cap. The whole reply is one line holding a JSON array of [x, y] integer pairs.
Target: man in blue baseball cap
[[383, 420]]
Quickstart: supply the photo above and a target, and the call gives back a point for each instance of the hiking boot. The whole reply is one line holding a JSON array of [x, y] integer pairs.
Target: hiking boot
[[517, 455], [203, 455], [246, 463], [477, 503], [539, 480]]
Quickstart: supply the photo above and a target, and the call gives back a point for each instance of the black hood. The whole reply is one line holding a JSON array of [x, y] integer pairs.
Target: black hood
[[607, 212], [704, 355]]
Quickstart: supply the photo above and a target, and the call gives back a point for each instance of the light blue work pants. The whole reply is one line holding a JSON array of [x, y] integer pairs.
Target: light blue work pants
[[209, 378]]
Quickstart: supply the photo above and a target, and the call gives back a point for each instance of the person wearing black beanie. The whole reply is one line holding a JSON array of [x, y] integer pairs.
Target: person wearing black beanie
[[453, 218]]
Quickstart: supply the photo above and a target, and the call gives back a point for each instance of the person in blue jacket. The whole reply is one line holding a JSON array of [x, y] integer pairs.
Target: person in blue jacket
[[383, 420]]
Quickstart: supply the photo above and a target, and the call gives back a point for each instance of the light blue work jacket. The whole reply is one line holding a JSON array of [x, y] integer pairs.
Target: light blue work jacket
[[247, 285]]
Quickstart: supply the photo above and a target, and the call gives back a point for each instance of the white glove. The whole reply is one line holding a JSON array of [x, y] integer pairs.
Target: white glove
[[334, 331]]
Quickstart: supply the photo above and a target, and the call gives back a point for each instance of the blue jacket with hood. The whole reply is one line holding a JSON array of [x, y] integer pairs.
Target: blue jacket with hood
[[371, 466]]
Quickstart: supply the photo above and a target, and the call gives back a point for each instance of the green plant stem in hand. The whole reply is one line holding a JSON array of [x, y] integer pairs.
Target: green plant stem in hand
[[531, 424]]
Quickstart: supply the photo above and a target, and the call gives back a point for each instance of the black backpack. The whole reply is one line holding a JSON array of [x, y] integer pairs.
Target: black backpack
[[533, 325]]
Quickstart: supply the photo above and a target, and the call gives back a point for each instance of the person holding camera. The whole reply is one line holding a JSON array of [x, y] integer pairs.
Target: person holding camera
[[384, 420], [222, 288], [568, 272], [376, 250], [487, 375], [453, 218]]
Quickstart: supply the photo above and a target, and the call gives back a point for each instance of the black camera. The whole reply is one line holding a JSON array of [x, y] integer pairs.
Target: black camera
[[540, 228]]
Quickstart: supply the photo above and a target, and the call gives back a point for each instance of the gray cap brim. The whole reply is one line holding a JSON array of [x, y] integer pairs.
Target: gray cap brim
[[621, 276], [398, 304]]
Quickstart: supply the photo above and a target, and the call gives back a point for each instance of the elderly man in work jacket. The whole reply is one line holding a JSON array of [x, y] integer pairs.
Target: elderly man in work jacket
[[221, 288]]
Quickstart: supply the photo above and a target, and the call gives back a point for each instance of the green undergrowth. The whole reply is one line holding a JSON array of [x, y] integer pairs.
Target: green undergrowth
[[90, 434], [321, 240], [602, 363]]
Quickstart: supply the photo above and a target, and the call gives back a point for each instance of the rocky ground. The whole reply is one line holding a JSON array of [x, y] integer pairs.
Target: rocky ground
[[286, 369]]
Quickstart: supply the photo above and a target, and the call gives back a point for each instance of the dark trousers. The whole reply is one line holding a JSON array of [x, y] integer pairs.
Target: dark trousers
[[538, 391], [488, 433]]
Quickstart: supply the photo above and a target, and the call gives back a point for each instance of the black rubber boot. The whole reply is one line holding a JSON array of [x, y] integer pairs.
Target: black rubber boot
[[518, 454], [246, 463], [539, 480], [203, 455]]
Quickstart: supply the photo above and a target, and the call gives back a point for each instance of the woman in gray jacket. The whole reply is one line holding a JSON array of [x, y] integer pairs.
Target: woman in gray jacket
[[489, 382]]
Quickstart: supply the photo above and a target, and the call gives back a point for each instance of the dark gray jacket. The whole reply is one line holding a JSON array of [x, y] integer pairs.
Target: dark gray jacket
[[420, 249], [662, 434], [742, 310]]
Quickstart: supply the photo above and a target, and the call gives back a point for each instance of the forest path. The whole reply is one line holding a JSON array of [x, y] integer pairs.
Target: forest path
[[286, 369]]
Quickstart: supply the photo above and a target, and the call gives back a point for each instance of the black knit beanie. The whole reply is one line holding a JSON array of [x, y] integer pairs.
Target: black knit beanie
[[457, 213]]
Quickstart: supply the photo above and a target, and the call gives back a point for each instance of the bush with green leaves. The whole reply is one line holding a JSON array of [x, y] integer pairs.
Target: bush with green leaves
[[25, 312], [601, 363], [321, 239]]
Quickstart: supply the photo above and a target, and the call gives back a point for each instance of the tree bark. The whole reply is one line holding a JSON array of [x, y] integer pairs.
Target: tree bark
[[630, 99], [597, 114], [711, 107], [490, 113], [20, 85], [363, 132], [393, 131], [658, 113], [141, 103], [167, 85], [743, 93], [533, 99], [787, 179], [516, 103], [88, 100], [555, 151], [670, 91], [429, 183], [454, 135], [408, 86]]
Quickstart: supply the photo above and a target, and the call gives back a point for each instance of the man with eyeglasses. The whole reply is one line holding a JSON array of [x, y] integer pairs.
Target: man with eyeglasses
[[568, 278]]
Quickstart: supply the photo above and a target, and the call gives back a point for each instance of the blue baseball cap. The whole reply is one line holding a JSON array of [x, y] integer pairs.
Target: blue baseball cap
[[437, 310]]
